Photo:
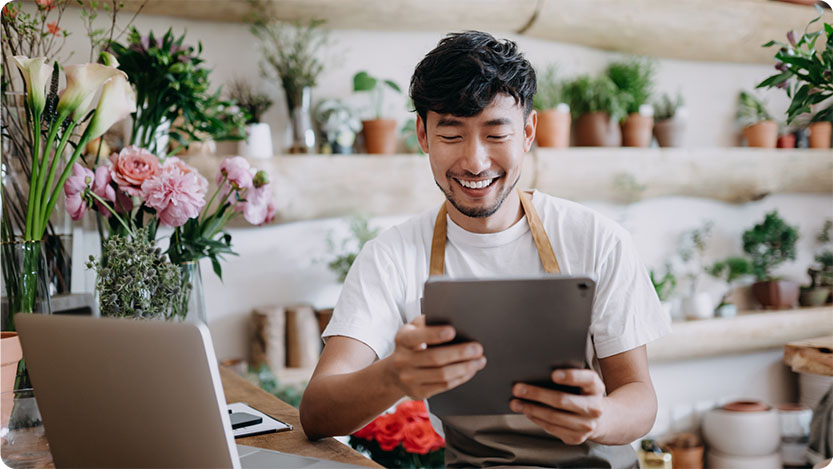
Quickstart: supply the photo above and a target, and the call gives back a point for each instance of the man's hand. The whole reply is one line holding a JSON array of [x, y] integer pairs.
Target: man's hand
[[422, 372], [573, 418]]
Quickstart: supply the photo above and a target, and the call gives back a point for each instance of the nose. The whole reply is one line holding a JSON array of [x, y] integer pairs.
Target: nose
[[476, 158]]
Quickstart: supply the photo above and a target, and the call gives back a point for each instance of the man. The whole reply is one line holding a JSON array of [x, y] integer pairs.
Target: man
[[473, 96]]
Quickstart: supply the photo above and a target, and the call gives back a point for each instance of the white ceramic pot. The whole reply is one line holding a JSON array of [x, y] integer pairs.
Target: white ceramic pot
[[728, 310], [259, 143], [698, 306], [746, 434], [718, 460], [795, 430]]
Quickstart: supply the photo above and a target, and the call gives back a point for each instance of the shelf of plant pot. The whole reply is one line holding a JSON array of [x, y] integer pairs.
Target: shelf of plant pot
[[747, 332], [323, 186]]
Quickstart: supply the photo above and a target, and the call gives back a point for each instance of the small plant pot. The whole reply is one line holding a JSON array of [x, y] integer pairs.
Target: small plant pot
[[786, 141], [596, 129], [670, 132], [813, 296], [553, 128], [698, 306], [776, 294], [820, 133], [764, 134], [637, 130], [380, 136], [727, 310], [259, 144]]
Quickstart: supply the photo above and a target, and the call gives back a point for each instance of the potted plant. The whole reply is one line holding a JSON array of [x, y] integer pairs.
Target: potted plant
[[804, 72], [553, 113], [821, 275], [670, 121], [729, 270], [634, 79], [692, 247], [339, 124], [664, 287], [258, 141], [290, 54], [379, 133], [597, 107], [759, 129], [769, 244]]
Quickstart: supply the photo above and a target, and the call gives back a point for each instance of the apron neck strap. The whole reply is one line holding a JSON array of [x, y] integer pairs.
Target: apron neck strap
[[539, 235]]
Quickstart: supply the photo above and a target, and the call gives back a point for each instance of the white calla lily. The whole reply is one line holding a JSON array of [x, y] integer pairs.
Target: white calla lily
[[109, 59], [82, 83], [36, 75], [118, 100]]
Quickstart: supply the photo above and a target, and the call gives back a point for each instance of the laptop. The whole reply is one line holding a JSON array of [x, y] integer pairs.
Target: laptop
[[127, 393]]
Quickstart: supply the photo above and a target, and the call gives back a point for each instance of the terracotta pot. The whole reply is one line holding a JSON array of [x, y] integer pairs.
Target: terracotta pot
[[670, 132], [776, 294], [820, 134], [686, 451], [596, 129], [786, 141], [637, 130], [10, 354], [380, 136], [553, 129], [813, 296], [764, 134]]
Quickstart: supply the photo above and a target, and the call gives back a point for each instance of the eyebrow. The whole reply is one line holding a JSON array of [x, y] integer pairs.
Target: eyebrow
[[452, 122]]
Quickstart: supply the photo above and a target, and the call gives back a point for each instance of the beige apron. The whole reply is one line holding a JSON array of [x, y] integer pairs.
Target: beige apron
[[512, 439]]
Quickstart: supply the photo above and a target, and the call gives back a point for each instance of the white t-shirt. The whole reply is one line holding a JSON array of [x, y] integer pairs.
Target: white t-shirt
[[383, 289]]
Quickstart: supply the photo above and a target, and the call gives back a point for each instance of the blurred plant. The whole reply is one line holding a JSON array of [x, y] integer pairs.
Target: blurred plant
[[635, 81], [264, 378], [664, 285], [253, 103], [101, 37], [586, 95], [360, 234], [804, 72], [824, 258], [338, 122], [550, 90], [751, 110], [666, 107], [729, 270], [691, 250], [769, 244], [362, 81]]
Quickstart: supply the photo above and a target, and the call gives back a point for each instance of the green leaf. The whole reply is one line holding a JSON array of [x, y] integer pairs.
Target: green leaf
[[774, 80], [362, 81], [393, 85]]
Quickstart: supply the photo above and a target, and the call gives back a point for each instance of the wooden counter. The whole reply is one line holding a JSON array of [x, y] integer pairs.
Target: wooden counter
[[237, 389]]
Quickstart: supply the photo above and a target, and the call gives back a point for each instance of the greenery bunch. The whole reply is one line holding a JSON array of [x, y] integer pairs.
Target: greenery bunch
[[135, 279], [769, 244], [751, 110], [550, 90], [360, 234], [691, 251], [825, 257], [805, 72], [585, 95], [664, 285], [255, 104], [729, 270], [635, 81], [667, 107]]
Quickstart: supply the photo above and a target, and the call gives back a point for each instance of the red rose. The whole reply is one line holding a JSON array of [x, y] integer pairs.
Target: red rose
[[439, 442], [389, 431], [419, 437], [367, 432], [412, 411]]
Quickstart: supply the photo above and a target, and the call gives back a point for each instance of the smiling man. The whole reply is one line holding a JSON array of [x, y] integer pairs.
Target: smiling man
[[473, 98]]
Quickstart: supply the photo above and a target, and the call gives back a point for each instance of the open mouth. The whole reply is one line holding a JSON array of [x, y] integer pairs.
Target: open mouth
[[473, 184]]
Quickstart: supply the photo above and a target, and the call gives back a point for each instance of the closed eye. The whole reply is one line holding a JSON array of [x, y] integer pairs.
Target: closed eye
[[450, 138], [497, 137]]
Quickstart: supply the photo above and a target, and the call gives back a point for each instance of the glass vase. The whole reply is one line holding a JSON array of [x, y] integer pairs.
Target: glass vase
[[23, 440], [25, 281], [298, 101], [190, 306]]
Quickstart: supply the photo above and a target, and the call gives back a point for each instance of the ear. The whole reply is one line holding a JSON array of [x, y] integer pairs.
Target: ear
[[529, 129], [422, 134]]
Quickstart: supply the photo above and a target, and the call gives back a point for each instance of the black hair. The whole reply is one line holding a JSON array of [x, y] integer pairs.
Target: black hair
[[464, 73]]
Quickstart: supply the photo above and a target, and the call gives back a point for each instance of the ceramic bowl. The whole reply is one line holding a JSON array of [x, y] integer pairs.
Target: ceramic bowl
[[747, 428], [718, 460]]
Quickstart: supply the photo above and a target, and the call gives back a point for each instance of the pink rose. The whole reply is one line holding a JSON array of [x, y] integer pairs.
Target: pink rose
[[103, 188], [176, 195], [187, 169], [74, 191], [237, 172], [132, 167], [270, 212], [256, 207]]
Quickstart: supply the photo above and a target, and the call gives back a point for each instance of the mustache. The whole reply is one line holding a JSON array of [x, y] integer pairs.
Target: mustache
[[470, 175]]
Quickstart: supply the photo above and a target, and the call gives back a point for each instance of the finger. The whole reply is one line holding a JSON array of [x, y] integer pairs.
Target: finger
[[448, 373], [417, 337], [588, 405], [566, 435], [587, 380], [447, 354], [436, 388], [568, 420]]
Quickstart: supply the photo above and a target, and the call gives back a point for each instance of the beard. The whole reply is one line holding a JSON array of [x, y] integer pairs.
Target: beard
[[478, 212]]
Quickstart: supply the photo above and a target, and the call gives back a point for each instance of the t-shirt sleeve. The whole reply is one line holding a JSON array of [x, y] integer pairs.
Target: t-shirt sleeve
[[626, 310], [367, 309]]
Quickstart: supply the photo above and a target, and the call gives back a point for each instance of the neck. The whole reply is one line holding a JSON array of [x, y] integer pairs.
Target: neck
[[508, 214]]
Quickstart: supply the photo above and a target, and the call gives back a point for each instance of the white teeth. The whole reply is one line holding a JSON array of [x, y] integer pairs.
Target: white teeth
[[476, 184]]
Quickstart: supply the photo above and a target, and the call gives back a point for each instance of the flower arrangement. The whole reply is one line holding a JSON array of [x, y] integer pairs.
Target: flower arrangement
[[404, 438]]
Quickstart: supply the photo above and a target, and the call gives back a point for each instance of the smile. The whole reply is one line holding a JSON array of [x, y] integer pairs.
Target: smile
[[470, 184]]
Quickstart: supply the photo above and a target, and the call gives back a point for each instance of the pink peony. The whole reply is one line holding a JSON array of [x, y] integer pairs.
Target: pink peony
[[256, 207], [176, 195], [132, 167], [74, 190], [103, 188], [238, 173], [187, 169]]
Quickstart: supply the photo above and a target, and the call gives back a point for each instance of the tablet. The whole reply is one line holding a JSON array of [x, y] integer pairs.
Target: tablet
[[528, 327]]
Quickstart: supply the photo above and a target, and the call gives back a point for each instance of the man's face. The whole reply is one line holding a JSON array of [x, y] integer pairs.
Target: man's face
[[477, 160]]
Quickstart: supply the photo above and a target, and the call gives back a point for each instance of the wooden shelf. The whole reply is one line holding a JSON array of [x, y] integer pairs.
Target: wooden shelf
[[323, 186], [711, 30], [749, 331]]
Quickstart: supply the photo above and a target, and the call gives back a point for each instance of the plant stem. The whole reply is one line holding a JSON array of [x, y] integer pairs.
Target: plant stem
[[111, 209], [53, 198], [211, 201], [30, 209], [53, 130], [54, 166]]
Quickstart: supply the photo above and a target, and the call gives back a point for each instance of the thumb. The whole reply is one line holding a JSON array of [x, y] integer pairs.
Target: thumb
[[419, 321]]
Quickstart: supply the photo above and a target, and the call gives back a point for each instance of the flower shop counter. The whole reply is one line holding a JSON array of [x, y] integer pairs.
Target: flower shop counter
[[749, 331], [237, 389]]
